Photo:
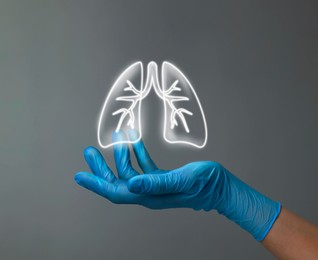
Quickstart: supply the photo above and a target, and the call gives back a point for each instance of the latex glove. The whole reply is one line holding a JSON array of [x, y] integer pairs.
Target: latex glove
[[198, 185]]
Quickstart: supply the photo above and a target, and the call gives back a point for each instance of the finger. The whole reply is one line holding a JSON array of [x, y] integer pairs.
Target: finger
[[122, 157], [111, 191], [156, 184], [94, 183], [143, 158], [97, 164]]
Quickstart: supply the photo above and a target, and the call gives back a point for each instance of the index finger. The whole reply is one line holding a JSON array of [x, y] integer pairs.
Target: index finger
[[143, 158], [122, 157]]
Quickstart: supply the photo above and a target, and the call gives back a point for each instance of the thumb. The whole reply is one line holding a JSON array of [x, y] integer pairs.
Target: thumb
[[156, 184]]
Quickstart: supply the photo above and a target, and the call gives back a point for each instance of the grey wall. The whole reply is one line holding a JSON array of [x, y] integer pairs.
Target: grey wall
[[254, 65]]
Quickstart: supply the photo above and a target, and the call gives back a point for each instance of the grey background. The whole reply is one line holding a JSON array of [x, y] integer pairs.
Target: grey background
[[254, 67]]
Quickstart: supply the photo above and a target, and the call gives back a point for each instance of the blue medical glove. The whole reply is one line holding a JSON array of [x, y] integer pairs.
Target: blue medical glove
[[198, 185]]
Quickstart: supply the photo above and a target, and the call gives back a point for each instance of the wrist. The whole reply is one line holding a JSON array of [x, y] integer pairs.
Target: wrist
[[242, 204]]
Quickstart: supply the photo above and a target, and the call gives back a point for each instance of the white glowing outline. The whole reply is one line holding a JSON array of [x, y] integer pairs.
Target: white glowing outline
[[152, 80], [165, 63], [104, 106]]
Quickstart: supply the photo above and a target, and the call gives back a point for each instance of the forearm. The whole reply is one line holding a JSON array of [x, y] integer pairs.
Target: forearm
[[292, 237]]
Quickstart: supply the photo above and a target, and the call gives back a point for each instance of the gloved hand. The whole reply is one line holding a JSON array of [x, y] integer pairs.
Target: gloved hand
[[198, 185]]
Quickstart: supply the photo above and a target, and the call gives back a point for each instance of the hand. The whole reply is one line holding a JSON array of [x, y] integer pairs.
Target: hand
[[197, 185], [122, 190]]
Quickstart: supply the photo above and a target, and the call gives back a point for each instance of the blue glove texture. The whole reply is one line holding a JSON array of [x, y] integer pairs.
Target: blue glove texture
[[198, 185]]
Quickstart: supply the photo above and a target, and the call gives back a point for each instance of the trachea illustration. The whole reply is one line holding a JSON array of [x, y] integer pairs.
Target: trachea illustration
[[184, 120]]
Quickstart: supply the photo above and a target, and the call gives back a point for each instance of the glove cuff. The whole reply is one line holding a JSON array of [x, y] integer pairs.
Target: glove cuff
[[270, 224], [251, 210]]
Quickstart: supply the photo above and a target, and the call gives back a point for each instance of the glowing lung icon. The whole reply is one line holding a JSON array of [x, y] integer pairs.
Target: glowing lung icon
[[184, 120]]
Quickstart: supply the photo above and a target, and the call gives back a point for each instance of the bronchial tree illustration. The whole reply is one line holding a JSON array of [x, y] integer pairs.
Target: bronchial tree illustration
[[165, 95]]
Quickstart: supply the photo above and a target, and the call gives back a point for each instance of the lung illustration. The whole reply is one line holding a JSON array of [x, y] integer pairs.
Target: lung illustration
[[121, 110], [184, 120], [184, 117]]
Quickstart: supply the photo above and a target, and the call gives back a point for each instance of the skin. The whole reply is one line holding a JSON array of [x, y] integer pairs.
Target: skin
[[292, 238]]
